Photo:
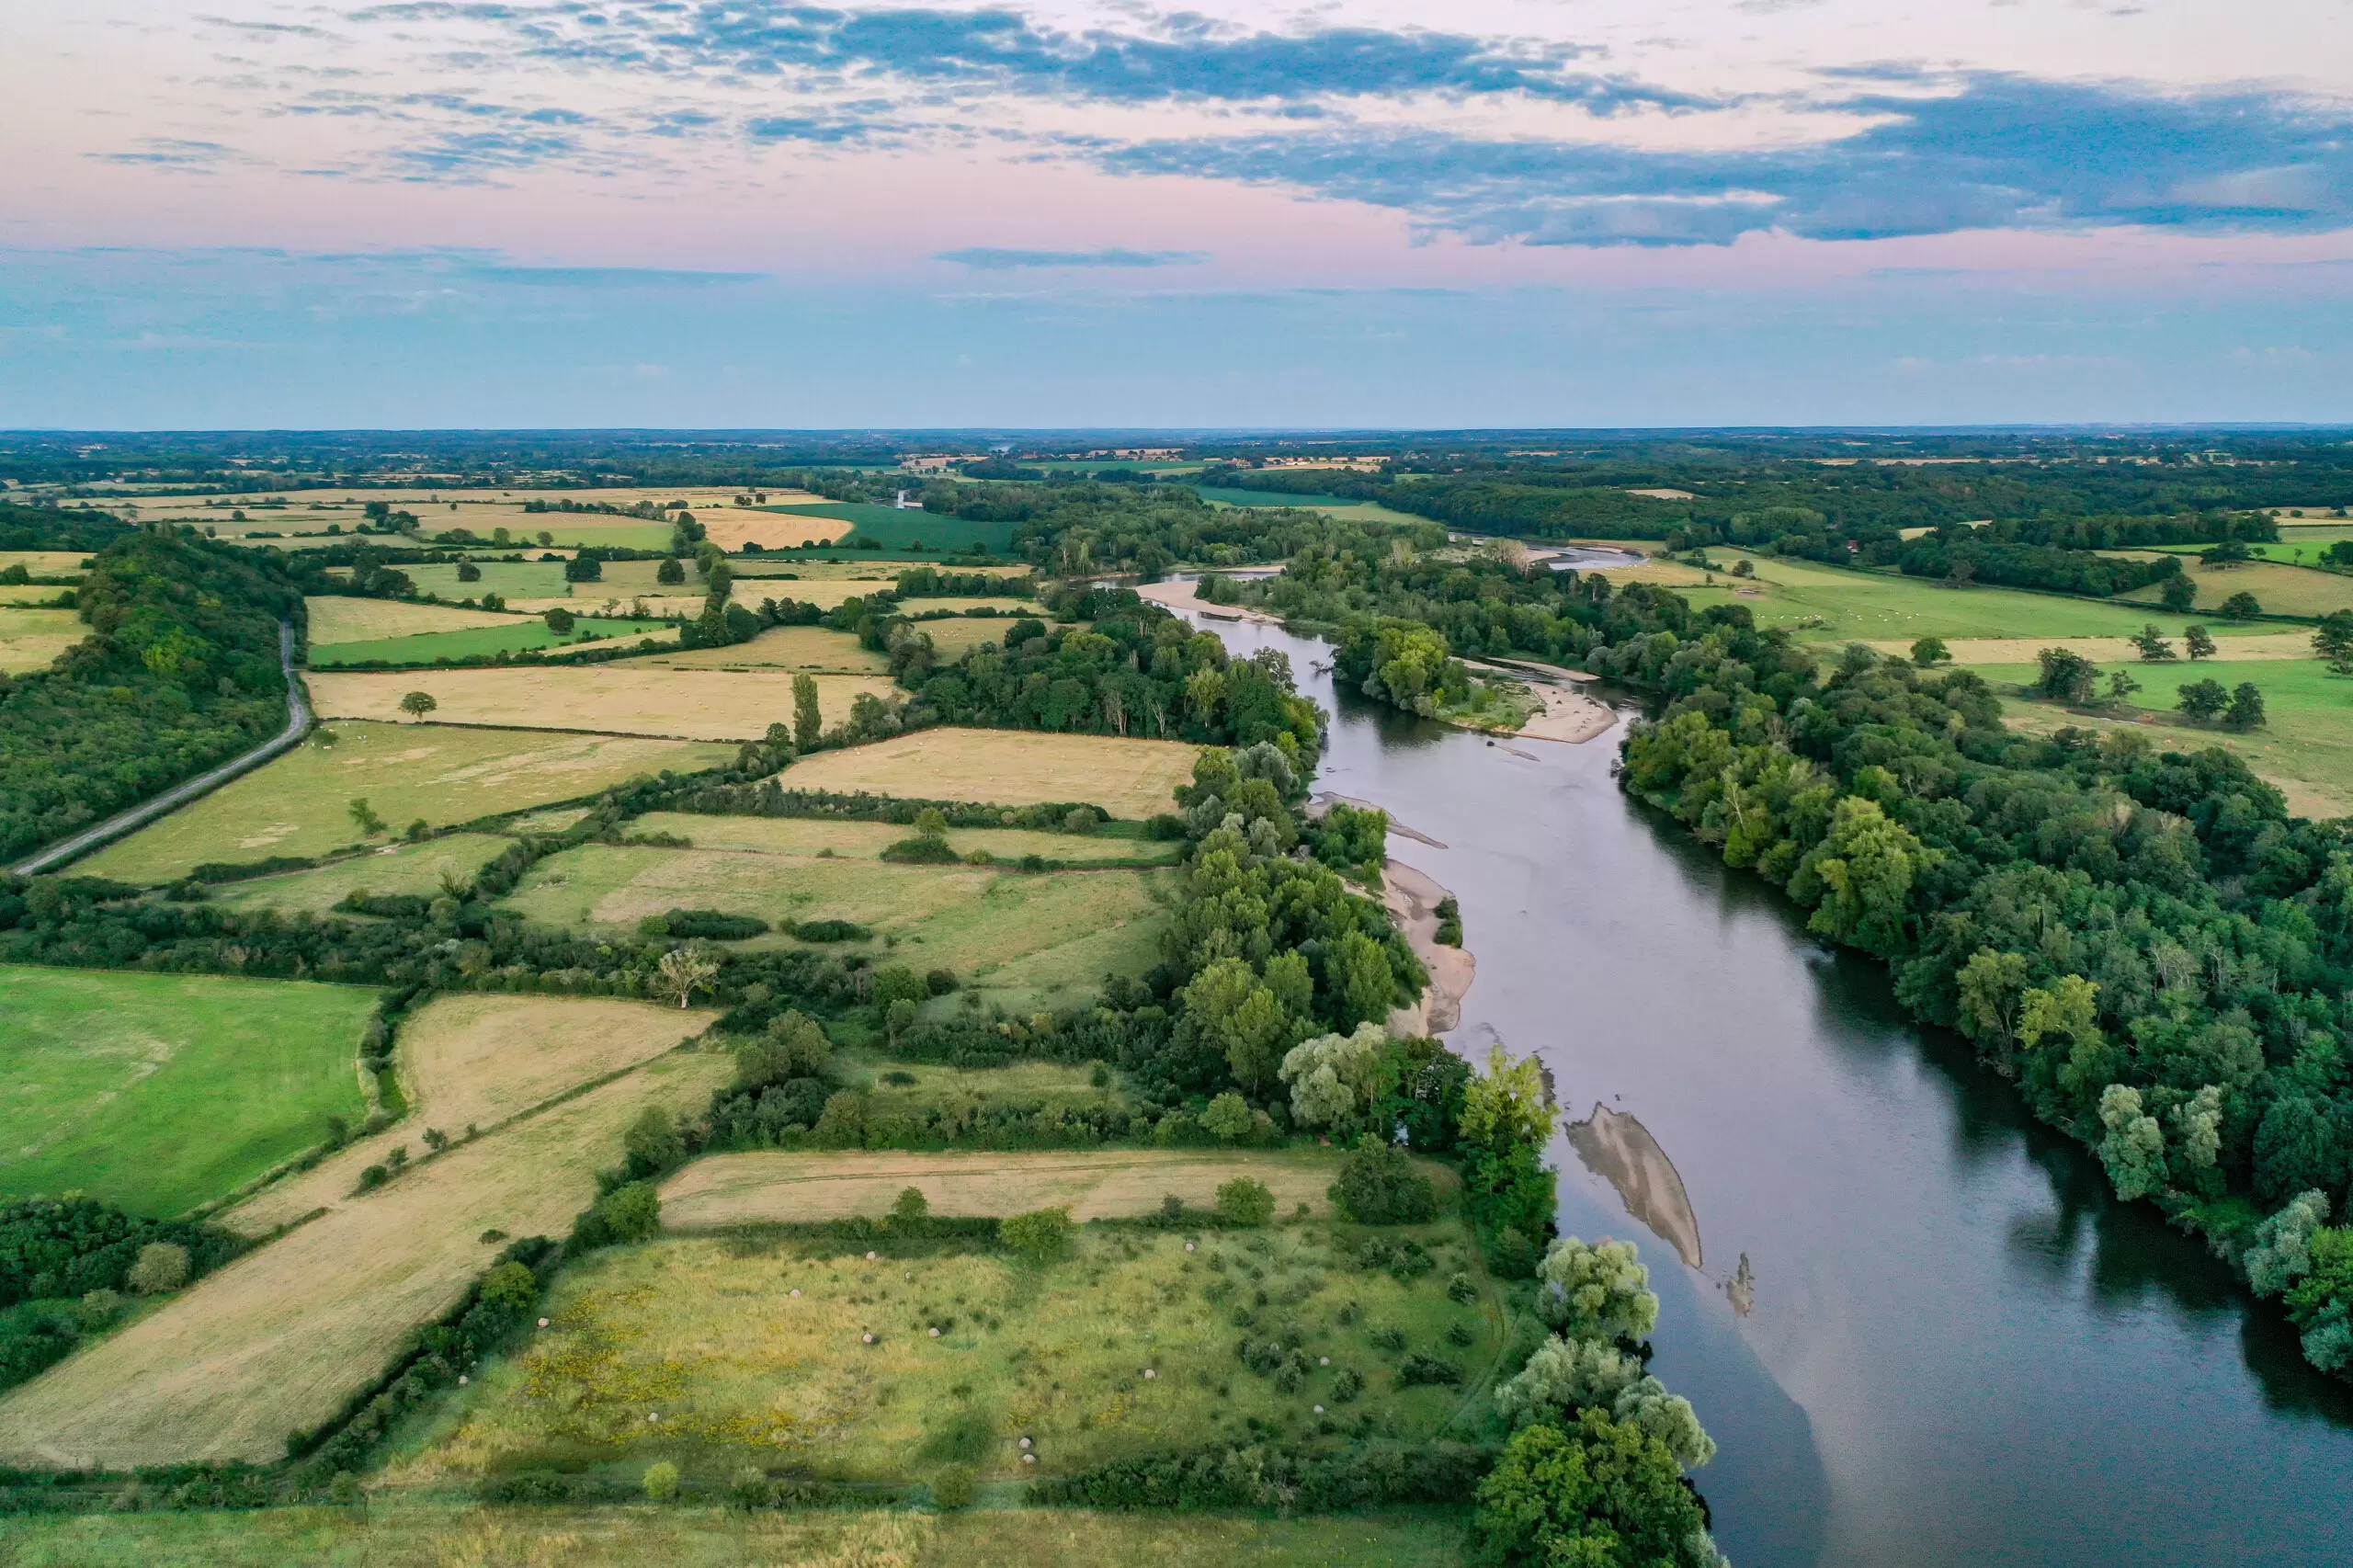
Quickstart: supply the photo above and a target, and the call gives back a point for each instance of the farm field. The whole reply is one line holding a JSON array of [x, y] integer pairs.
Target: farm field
[[811, 648], [2280, 588], [2269, 643], [866, 840], [895, 529], [32, 639], [299, 803], [508, 579], [46, 562], [283, 1337], [606, 698], [2310, 537], [1025, 940], [474, 1061], [397, 1530], [480, 512], [396, 868], [1055, 1355], [31, 595], [1133, 779], [515, 634], [780, 1187], [336, 618], [2306, 746], [162, 1091], [954, 636], [563, 530]]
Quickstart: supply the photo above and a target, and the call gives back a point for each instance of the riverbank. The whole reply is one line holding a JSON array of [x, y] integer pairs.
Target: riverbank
[[1412, 899], [1180, 593]]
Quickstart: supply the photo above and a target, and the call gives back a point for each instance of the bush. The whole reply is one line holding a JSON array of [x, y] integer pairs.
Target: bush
[[1244, 1202], [830, 931], [953, 1487], [1420, 1371], [1040, 1236], [662, 1481], [1260, 1476], [162, 1265], [1379, 1186], [922, 852], [708, 924]]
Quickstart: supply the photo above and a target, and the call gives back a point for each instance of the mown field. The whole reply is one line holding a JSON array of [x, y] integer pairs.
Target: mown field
[[417, 868], [32, 639], [811, 648], [334, 617], [299, 803], [46, 562], [1025, 940], [515, 636], [893, 529], [703, 1336], [619, 699], [866, 840], [2278, 587], [398, 1531], [508, 579], [283, 1337], [1128, 779], [162, 1091]]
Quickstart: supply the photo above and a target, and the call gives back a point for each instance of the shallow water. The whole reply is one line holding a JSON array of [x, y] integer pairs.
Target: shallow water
[[1959, 1350]]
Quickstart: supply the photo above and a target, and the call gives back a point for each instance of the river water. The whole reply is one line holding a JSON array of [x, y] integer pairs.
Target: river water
[[1959, 1349]]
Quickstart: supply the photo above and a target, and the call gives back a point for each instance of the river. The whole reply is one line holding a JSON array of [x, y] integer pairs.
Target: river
[[1959, 1349]]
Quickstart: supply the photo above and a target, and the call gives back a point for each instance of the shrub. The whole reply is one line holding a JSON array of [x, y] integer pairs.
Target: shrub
[[831, 931], [710, 924], [1379, 1186], [630, 1213], [953, 1487], [1461, 1289], [1244, 1201], [662, 1481], [1346, 1386], [1419, 1371], [1039, 1236]]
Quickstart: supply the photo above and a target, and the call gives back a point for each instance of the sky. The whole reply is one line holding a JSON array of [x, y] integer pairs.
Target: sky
[[749, 213]]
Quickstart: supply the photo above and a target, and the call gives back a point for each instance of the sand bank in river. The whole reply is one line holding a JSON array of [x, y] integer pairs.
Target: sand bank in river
[[1413, 900], [1570, 716], [1181, 596], [1621, 1149]]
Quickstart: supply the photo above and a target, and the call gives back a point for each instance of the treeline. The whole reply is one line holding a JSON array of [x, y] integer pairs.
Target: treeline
[[180, 673], [45, 527], [67, 1267], [2034, 566]]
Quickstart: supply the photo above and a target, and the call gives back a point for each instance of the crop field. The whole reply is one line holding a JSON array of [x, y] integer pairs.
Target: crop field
[[513, 635], [866, 840], [32, 639], [508, 579], [608, 699], [811, 648], [46, 562], [2269, 643], [334, 617], [1030, 941], [474, 1061], [897, 529], [162, 1091], [311, 512], [952, 638], [396, 868], [299, 803], [782, 1187], [1129, 779], [771, 531], [397, 1530], [704, 1335], [2306, 746], [2280, 588], [283, 1337]]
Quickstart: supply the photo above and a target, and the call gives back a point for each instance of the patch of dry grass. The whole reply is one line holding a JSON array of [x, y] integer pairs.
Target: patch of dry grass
[[610, 698], [32, 639], [46, 562], [782, 647], [2280, 589], [336, 618], [2099, 650], [397, 868], [475, 1060], [866, 840], [281, 1338], [1129, 779]]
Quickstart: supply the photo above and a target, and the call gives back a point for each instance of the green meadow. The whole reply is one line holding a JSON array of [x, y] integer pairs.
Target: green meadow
[[528, 631], [509, 579], [897, 527]]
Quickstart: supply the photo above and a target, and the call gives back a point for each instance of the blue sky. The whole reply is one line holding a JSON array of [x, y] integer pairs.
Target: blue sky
[[752, 213]]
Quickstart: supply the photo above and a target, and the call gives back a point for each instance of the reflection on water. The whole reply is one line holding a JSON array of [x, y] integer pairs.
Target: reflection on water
[[1968, 1353], [1619, 1149]]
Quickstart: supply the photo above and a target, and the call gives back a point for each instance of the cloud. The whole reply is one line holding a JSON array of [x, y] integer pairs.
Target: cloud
[[606, 277], [988, 259], [169, 153]]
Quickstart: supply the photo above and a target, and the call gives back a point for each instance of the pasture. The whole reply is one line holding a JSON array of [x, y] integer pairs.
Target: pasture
[[32, 639], [417, 868], [895, 529], [811, 648], [402, 1530], [476, 1061], [705, 1336], [508, 579], [1026, 941], [2270, 643], [866, 840], [46, 562], [617, 698], [33, 596], [334, 617], [1133, 778], [163, 1092], [2280, 588], [283, 1337], [299, 803], [955, 636], [513, 635]]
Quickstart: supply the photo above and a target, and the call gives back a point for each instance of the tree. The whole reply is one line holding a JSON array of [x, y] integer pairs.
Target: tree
[[1379, 1186], [1565, 1376], [584, 568], [1598, 1291], [1598, 1494], [2241, 606], [1364, 984], [808, 720], [2134, 1150], [1865, 868], [1333, 1078], [2200, 642], [2151, 641], [159, 1266], [662, 1481], [364, 817], [2246, 712], [630, 1213], [1930, 652], [2334, 641], [671, 571], [682, 972], [2067, 675], [2282, 1250], [2179, 595], [1228, 1118], [560, 620], [1244, 1202], [2202, 700], [417, 704], [2120, 685], [931, 825], [468, 572], [1039, 1236]]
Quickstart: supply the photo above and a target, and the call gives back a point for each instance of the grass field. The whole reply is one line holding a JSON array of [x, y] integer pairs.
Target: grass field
[[2280, 588], [46, 562], [619, 699], [31, 595], [475, 1061], [809, 648], [162, 1091], [897, 1088], [568, 529], [702, 1333], [1007, 768], [397, 1532], [1026, 941], [866, 840], [508, 579], [2306, 748], [299, 804], [2270, 643], [32, 639], [894, 528], [778, 1187], [396, 868], [283, 1337], [334, 617], [515, 634], [954, 638]]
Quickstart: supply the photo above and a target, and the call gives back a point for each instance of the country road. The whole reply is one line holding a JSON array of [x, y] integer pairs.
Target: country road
[[298, 721]]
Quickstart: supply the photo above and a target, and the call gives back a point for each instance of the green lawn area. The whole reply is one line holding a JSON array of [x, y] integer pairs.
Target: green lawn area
[[2278, 587], [895, 528], [578, 529], [509, 579], [528, 631], [159, 1092], [400, 869], [299, 804], [2307, 741], [1233, 498], [1825, 604]]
